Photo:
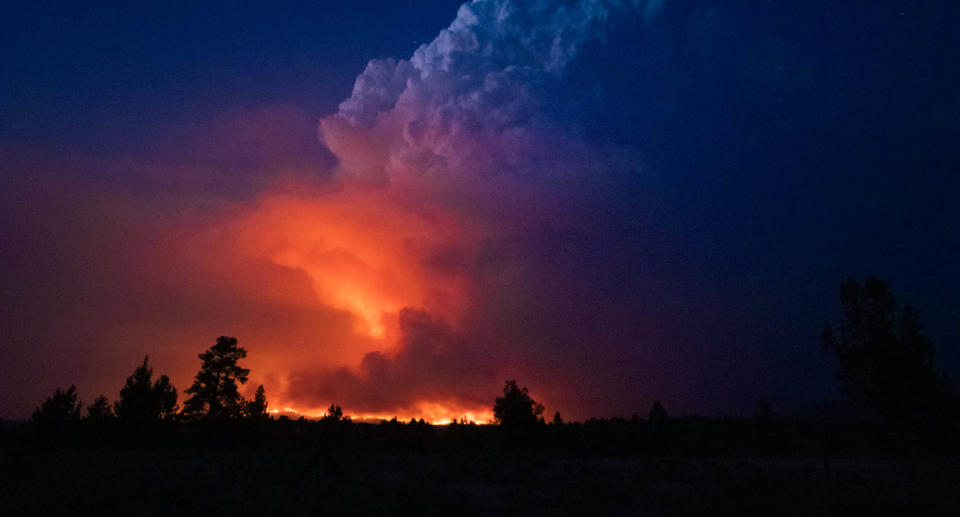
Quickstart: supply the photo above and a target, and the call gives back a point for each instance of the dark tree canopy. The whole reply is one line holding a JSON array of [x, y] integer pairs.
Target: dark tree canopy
[[657, 414], [60, 408], [215, 391], [100, 410], [516, 409], [334, 414], [885, 361], [142, 400], [257, 408]]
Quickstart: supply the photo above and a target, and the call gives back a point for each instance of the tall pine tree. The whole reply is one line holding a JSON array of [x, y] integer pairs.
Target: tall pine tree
[[215, 391]]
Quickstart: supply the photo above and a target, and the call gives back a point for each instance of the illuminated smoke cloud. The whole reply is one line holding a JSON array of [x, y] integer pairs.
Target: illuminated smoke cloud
[[456, 243], [433, 365], [482, 126], [490, 95]]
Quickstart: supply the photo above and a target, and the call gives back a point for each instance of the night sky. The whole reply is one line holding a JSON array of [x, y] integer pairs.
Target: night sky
[[396, 206]]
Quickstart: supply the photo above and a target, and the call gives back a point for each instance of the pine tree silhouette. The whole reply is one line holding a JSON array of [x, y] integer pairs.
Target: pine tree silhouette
[[215, 391]]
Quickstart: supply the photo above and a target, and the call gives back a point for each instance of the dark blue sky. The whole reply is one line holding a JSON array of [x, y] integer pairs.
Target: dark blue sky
[[95, 75], [785, 146]]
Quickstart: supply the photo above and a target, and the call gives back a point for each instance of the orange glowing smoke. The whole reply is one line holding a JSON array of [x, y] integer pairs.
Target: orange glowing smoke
[[364, 253]]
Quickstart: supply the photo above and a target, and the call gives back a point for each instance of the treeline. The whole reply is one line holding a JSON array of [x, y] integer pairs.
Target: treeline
[[656, 434], [519, 428], [886, 366], [214, 396]]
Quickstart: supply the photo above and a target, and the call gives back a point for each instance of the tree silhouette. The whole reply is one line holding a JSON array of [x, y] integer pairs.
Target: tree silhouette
[[166, 394], [516, 409], [214, 389], [885, 361], [657, 415], [257, 408], [60, 408], [334, 414], [142, 400], [557, 419], [100, 410]]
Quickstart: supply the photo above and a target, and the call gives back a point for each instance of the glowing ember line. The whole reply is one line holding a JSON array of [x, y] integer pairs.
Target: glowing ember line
[[430, 413]]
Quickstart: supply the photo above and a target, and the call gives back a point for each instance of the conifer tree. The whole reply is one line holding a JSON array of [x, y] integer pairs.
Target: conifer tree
[[257, 408], [60, 408], [142, 400], [215, 391]]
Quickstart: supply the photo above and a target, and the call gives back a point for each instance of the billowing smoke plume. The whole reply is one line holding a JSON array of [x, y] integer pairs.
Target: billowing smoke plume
[[496, 93], [482, 132]]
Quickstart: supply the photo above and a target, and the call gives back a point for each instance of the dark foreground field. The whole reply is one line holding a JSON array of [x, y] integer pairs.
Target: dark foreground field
[[177, 482]]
